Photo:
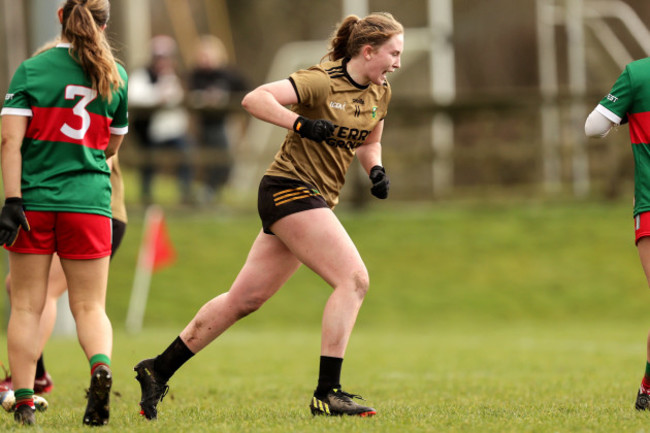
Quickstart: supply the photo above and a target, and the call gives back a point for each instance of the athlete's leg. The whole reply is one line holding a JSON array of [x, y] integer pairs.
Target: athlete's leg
[[87, 281], [268, 266], [317, 238], [29, 274], [644, 254], [56, 286], [643, 397]]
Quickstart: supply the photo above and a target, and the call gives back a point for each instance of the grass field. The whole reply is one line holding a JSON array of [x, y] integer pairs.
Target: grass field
[[523, 317]]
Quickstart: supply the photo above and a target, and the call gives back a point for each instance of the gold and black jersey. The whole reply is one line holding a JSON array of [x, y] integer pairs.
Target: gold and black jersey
[[326, 91], [118, 208]]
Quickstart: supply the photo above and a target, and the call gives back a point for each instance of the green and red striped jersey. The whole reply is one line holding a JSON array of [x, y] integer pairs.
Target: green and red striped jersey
[[64, 167], [630, 97]]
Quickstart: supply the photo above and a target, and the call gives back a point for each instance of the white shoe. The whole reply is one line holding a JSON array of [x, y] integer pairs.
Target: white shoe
[[8, 401]]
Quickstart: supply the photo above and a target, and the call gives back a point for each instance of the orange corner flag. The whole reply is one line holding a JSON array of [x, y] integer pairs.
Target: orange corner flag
[[161, 251], [156, 252]]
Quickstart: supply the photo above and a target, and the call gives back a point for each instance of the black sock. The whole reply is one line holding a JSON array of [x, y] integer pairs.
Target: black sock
[[40, 367], [172, 359], [329, 375]]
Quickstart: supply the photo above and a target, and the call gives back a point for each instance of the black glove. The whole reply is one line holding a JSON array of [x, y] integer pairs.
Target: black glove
[[12, 218], [380, 182], [317, 130]]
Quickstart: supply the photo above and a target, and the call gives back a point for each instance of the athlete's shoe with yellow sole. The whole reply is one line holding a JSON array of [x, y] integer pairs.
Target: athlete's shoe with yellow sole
[[152, 388], [337, 403]]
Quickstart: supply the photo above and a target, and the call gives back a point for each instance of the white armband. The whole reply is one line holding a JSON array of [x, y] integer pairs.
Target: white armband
[[597, 125]]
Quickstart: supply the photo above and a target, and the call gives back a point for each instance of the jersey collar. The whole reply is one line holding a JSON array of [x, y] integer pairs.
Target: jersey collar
[[63, 45], [354, 83]]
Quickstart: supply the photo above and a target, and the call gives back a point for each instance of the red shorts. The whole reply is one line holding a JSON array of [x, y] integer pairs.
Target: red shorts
[[641, 226], [71, 235]]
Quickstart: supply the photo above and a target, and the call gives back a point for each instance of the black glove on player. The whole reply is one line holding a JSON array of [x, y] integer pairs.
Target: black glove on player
[[317, 130], [12, 218], [380, 182]]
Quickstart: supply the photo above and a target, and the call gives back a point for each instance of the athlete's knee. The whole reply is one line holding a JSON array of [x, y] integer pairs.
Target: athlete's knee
[[83, 309], [248, 305], [361, 283]]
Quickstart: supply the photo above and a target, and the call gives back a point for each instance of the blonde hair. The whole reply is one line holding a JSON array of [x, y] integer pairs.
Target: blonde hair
[[211, 51], [354, 32], [82, 25]]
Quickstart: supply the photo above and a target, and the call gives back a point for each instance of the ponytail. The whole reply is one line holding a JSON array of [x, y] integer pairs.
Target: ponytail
[[340, 38], [83, 23], [353, 33]]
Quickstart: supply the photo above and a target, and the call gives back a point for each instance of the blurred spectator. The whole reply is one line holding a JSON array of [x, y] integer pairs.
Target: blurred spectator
[[162, 124], [211, 83]]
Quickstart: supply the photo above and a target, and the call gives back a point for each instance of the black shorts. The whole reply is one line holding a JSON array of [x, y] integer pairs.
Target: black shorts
[[281, 196], [119, 228]]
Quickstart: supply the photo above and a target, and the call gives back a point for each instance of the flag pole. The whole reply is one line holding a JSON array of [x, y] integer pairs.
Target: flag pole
[[143, 271]]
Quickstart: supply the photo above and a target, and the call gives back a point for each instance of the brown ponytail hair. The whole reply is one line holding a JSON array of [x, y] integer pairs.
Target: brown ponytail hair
[[82, 25], [353, 33]]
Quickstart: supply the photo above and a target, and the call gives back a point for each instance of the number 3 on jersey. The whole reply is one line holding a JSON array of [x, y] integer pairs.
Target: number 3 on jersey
[[87, 96]]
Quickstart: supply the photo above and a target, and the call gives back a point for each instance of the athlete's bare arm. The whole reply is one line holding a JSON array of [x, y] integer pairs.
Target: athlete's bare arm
[[369, 153], [13, 132], [268, 103], [114, 144]]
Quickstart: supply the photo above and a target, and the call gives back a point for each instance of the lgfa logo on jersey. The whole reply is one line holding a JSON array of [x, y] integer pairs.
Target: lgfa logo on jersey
[[9, 96], [374, 111]]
